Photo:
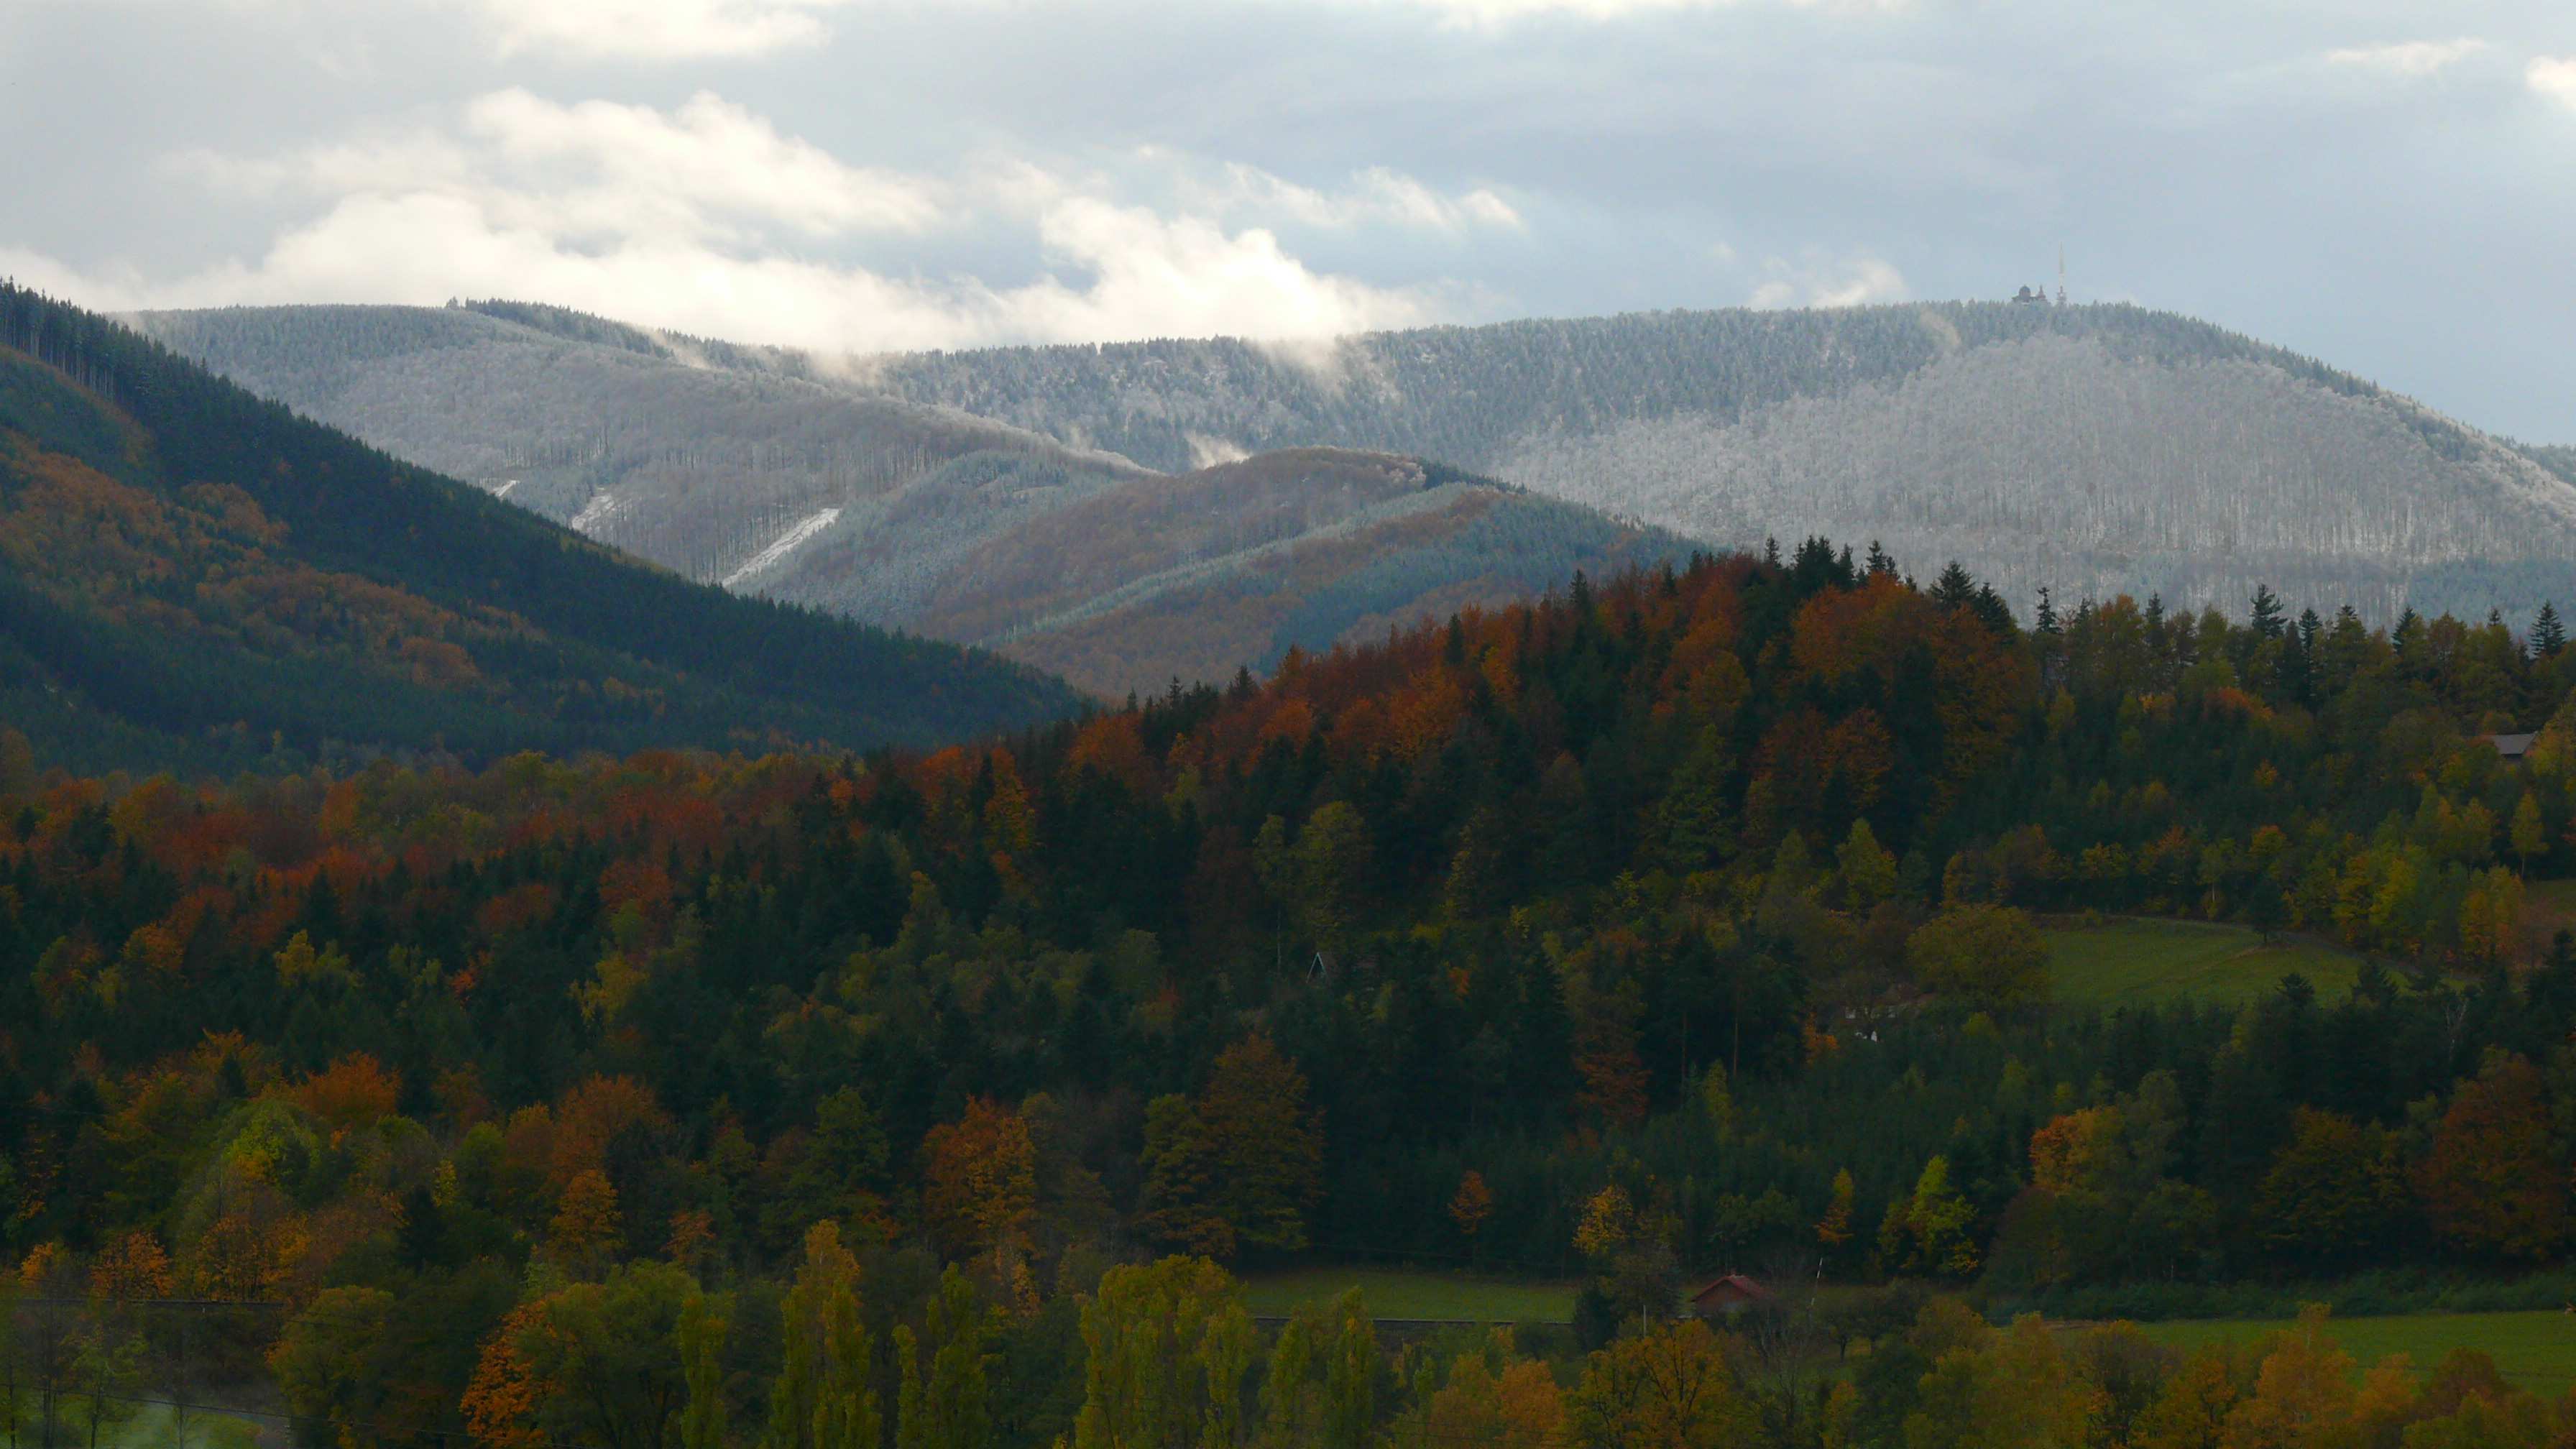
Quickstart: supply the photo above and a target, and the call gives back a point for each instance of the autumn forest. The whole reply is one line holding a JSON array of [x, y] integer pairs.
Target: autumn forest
[[1709, 941], [1676, 923]]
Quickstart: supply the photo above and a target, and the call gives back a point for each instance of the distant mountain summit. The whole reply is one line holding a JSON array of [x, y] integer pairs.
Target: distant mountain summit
[[2089, 449], [191, 576]]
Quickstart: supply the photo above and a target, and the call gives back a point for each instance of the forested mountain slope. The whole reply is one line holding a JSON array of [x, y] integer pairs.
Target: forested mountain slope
[[1686, 915], [755, 470], [1124, 587], [2558, 460], [195, 576], [638, 442], [2093, 449]]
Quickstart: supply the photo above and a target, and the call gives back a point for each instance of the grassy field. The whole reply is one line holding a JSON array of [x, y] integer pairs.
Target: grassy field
[[156, 1426], [2136, 963], [2548, 906], [2555, 899], [1396, 1294], [2535, 1351]]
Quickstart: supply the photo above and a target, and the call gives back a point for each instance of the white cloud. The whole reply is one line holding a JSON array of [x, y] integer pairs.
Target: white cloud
[[662, 32], [114, 291], [1499, 12], [1157, 276], [706, 219], [655, 29], [668, 30], [2553, 78], [1207, 452], [1377, 196], [708, 170], [2407, 58], [1821, 282], [636, 30], [710, 159]]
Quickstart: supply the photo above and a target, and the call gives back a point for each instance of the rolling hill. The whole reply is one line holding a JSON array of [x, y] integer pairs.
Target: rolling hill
[[2089, 449], [1126, 587], [692, 455], [764, 473], [196, 577]]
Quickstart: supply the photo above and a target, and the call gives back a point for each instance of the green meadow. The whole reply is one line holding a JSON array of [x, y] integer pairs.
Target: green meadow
[[2132, 962], [2534, 1351]]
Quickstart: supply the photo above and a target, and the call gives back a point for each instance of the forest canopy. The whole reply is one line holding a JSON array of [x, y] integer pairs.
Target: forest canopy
[[1668, 924], [1553, 864]]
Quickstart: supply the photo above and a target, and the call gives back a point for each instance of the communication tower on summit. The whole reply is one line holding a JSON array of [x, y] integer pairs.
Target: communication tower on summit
[[2038, 296]]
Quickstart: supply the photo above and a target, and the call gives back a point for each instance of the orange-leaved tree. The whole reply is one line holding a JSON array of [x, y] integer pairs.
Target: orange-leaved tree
[[1240, 1165], [1668, 1389], [590, 1363], [1520, 1407], [583, 1237], [979, 1190], [2493, 1184], [355, 1091], [979, 1178], [1471, 1204]]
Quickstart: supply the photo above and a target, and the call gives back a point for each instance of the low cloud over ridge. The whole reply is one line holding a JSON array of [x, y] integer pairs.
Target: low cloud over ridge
[[2407, 58], [706, 218]]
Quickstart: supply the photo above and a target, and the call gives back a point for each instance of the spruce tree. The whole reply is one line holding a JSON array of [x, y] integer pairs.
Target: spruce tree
[[1993, 612], [2267, 612]]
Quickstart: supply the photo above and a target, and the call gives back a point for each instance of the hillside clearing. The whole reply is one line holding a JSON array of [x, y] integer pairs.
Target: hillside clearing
[[2142, 962], [2548, 906], [2533, 1350]]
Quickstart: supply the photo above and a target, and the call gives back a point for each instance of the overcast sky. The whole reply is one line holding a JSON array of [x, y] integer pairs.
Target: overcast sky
[[2390, 186]]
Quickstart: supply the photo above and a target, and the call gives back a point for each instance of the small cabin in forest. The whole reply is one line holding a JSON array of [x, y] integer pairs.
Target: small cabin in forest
[[2512, 747], [1729, 1296]]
